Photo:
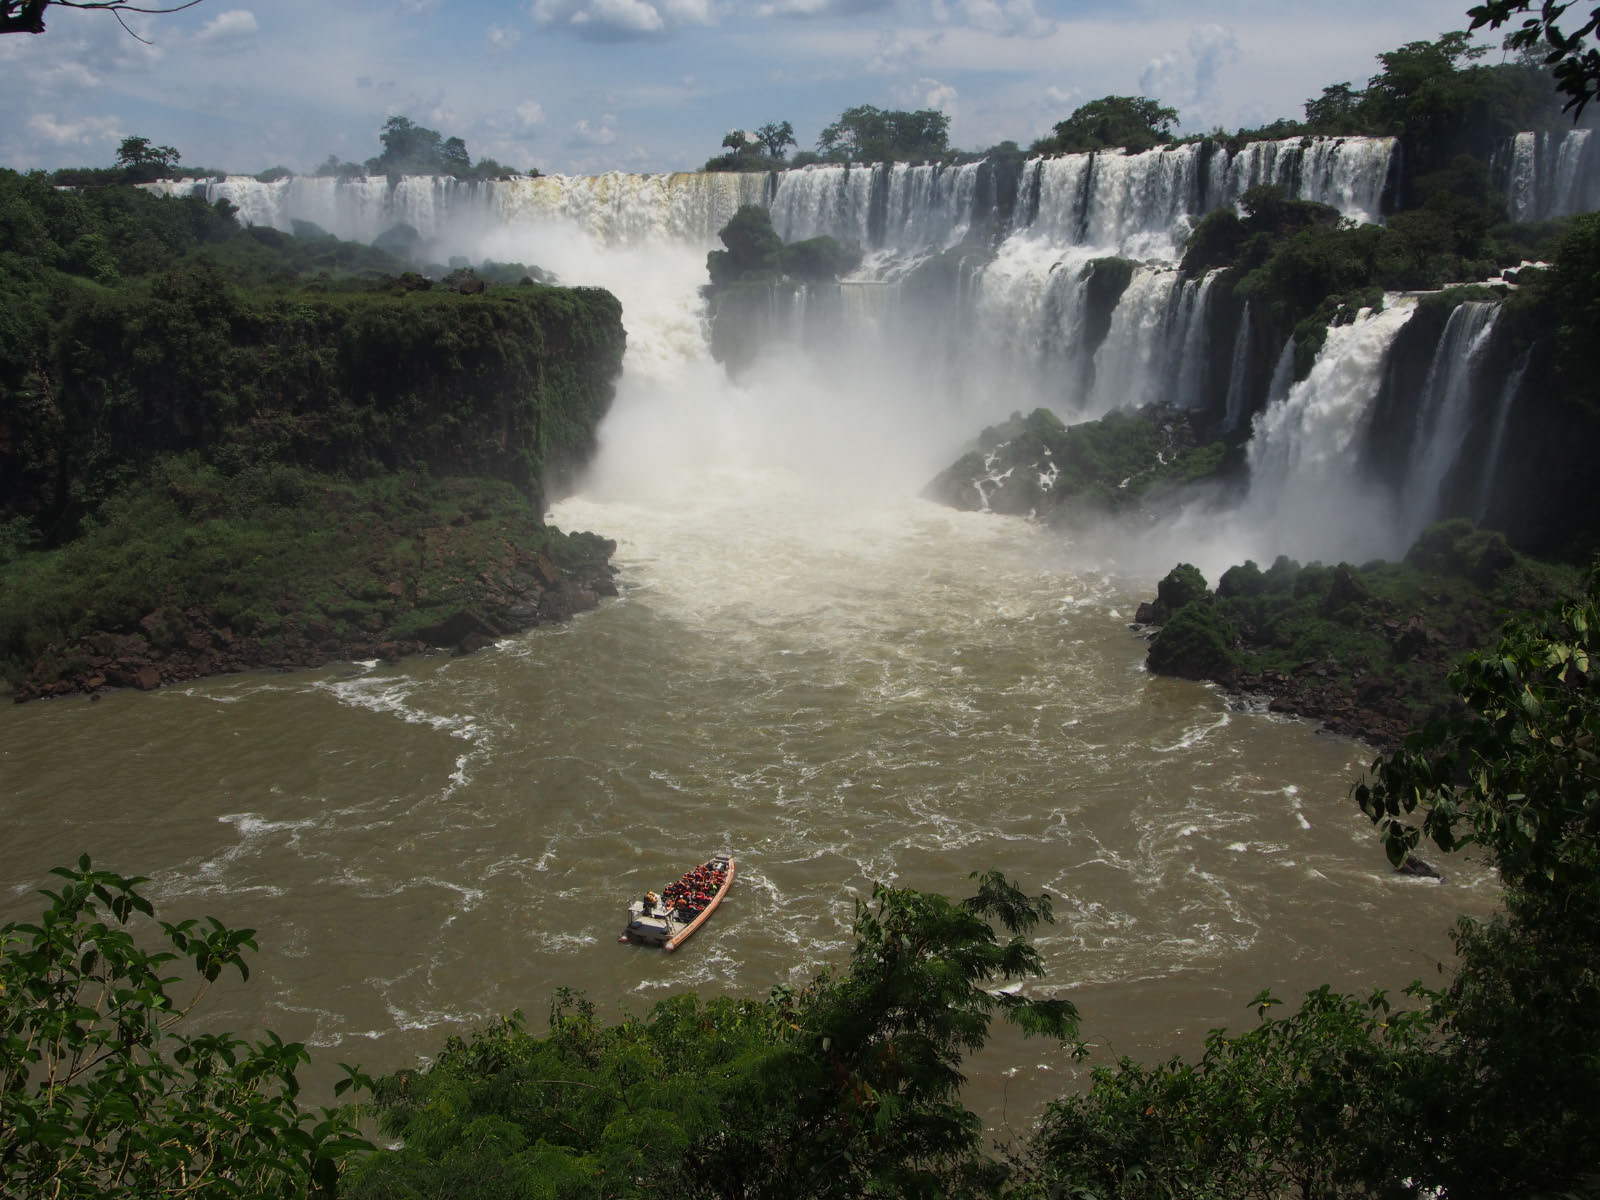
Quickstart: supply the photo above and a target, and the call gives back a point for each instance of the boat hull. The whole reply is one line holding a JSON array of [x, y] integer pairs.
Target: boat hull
[[669, 928]]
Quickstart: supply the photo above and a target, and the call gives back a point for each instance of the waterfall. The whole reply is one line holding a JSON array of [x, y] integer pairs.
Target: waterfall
[[1076, 305], [1497, 436], [1238, 366], [1445, 411], [1186, 371], [1552, 175], [1307, 485], [452, 216], [1133, 355]]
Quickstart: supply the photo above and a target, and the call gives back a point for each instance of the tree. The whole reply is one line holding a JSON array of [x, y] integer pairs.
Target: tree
[[1517, 774], [1336, 111], [1133, 122], [846, 1088], [453, 157], [775, 138], [408, 149], [869, 134], [144, 161], [27, 16], [738, 142], [1576, 67], [1488, 1089], [100, 1092]]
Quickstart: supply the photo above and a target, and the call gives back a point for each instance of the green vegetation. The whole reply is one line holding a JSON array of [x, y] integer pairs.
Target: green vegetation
[[1036, 464], [848, 1087], [1366, 649], [868, 134], [160, 365], [762, 150], [193, 569], [1133, 123], [1484, 1089], [410, 149], [1576, 66], [744, 276], [104, 1088]]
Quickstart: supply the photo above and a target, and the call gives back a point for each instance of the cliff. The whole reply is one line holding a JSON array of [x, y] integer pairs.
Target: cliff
[[208, 467]]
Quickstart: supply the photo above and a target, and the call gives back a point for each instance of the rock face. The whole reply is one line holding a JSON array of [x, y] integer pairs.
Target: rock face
[[1366, 651], [521, 590], [1037, 466]]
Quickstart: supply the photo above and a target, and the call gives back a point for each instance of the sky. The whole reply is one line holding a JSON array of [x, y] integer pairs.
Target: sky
[[587, 86]]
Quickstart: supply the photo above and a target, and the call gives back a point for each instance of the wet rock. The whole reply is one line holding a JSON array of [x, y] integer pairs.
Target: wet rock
[[1419, 868]]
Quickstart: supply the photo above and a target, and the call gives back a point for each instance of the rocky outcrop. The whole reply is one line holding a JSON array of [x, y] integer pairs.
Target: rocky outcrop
[[1364, 651], [522, 587]]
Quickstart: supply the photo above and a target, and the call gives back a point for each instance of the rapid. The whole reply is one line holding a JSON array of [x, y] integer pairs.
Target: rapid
[[809, 667]]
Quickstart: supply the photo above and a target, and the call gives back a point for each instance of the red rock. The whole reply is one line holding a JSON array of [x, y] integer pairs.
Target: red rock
[[147, 679]]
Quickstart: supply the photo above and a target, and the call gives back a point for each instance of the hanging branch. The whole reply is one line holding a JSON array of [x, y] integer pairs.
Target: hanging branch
[[27, 16]]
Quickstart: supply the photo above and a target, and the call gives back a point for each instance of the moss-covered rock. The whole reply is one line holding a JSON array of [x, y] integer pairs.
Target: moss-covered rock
[[1365, 650]]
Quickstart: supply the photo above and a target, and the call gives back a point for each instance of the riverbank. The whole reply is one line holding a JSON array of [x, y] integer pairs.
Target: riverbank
[[1366, 651], [196, 574]]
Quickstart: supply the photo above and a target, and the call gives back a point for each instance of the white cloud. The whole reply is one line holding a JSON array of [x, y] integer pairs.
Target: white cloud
[[819, 8], [85, 131], [1010, 18], [1190, 80], [228, 28], [587, 133], [928, 93], [530, 114], [898, 53], [602, 20], [501, 38]]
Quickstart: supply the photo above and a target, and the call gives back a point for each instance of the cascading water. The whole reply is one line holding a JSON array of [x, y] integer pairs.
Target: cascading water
[[1497, 436], [1238, 363], [808, 667], [1552, 174], [1442, 419], [1307, 482]]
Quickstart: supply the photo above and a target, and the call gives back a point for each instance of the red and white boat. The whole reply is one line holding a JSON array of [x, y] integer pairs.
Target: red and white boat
[[670, 918]]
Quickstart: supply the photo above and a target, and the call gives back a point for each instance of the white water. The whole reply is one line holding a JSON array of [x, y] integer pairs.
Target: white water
[[895, 401], [1445, 412], [808, 666], [1306, 476], [1553, 175]]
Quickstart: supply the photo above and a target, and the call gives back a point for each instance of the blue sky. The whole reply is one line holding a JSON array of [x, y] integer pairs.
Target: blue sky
[[653, 85]]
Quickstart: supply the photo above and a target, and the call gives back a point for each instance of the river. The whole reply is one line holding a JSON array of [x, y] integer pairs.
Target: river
[[808, 667]]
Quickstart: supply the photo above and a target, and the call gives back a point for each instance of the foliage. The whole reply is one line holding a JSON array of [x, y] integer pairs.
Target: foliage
[[1576, 66], [754, 248], [1303, 1105], [1563, 305], [1134, 123], [411, 149], [775, 138], [269, 563], [1197, 642], [849, 1087], [1386, 632], [142, 161], [1035, 464], [869, 134], [745, 275], [102, 1089], [762, 150], [151, 343], [1481, 1091], [1514, 773]]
